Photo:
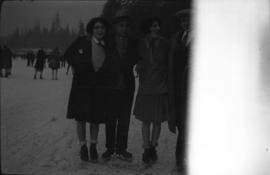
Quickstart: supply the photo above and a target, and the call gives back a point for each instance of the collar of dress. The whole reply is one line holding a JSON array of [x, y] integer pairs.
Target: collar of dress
[[101, 42], [155, 42]]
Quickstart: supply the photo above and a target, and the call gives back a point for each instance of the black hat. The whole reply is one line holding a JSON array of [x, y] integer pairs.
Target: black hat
[[183, 13], [122, 15]]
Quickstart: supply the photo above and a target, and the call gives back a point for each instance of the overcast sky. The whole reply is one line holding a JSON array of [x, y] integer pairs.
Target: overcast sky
[[26, 14]]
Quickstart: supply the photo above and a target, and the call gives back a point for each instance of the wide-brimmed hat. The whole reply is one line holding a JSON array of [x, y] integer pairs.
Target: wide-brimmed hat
[[183, 13], [122, 15]]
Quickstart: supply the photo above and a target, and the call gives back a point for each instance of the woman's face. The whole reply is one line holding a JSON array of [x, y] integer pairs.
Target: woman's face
[[99, 30], [155, 28]]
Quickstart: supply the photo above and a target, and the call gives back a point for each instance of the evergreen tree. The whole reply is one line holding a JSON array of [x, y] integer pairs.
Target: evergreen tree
[[81, 28], [55, 23]]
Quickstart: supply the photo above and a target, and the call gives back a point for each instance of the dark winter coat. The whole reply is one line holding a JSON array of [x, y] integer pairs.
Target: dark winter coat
[[30, 56], [41, 59], [88, 99], [179, 70], [6, 58], [121, 80], [54, 60], [122, 66]]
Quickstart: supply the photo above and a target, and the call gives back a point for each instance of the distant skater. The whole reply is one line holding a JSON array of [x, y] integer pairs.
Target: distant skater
[[40, 63], [62, 62], [54, 63], [30, 56]]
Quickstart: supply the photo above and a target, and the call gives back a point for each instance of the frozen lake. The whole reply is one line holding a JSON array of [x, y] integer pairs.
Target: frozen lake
[[38, 139]]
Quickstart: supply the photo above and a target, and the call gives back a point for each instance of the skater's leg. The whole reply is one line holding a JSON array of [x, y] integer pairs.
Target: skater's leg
[[81, 130], [125, 102], [146, 134], [35, 76], [155, 133], [146, 157], [154, 140], [94, 129], [52, 74], [56, 74], [41, 72]]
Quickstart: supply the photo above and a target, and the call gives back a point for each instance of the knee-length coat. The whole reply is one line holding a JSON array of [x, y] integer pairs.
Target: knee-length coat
[[88, 99], [178, 78]]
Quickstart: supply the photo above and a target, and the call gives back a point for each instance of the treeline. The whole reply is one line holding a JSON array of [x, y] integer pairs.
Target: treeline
[[37, 36], [58, 36]]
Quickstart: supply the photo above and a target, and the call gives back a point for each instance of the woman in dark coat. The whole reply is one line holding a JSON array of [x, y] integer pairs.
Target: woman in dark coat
[[87, 101], [54, 62], [40, 63], [151, 106]]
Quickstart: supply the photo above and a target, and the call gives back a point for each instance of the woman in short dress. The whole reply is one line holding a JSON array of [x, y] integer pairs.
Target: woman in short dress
[[151, 106], [87, 101]]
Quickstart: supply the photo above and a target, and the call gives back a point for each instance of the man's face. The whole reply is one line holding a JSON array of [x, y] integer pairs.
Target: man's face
[[155, 28], [122, 28], [185, 23]]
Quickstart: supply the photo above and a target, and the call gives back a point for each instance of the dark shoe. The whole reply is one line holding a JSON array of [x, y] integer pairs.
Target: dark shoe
[[181, 170], [84, 153], [124, 155], [107, 155], [146, 157], [153, 154], [93, 152]]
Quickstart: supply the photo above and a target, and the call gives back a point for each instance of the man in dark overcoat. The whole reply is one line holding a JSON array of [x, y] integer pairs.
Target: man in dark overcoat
[[122, 55], [179, 71]]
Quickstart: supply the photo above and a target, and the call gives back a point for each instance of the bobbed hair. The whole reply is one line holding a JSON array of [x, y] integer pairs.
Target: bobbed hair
[[146, 25], [93, 21]]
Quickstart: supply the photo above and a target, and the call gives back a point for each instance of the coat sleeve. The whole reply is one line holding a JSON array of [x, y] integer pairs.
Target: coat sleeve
[[139, 57], [72, 54], [171, 89]]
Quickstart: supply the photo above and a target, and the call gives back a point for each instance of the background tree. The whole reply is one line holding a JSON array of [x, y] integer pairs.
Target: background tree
[[81, 28]]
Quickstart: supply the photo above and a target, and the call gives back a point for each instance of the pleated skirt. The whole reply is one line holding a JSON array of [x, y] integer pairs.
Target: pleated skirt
[[152, 108]]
